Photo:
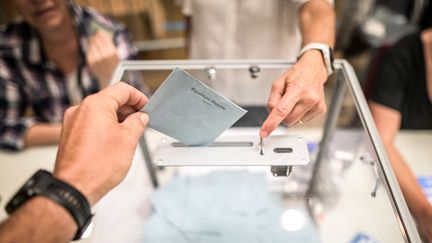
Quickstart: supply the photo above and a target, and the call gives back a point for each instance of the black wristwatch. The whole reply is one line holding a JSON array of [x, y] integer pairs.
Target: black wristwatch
[[43, 183]]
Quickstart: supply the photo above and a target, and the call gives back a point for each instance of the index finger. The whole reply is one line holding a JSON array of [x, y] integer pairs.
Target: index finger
[[276, 93], [121, 94], [281, 110]]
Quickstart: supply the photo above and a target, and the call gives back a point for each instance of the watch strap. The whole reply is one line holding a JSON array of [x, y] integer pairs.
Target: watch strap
[[326, 52], [43, 183]]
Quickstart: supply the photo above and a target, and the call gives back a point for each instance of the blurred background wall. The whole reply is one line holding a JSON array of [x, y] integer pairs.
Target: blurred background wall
[[365, 29]]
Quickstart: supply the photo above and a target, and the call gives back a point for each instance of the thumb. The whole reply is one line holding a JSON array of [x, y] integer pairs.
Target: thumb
[[136, 123]]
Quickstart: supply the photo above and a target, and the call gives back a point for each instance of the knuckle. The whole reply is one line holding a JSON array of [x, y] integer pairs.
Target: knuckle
[[295, 87], [292, 84], [134, 129], [129, 129], [288, 121], [70, 111], [312, 98], [271, 104], [282, 110], [276, 85], [322, 108], [121, 85], [88, 101]]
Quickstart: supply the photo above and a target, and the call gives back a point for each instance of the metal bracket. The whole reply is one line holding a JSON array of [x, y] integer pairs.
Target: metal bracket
[[366, 158], [281, 170]]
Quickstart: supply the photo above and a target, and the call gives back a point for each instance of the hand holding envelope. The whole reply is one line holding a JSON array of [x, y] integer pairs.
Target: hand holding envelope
[[186, 109]]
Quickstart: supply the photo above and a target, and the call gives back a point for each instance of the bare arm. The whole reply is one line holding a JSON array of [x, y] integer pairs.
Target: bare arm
[[299, 92], [42, 134], [317, 22], [39, 220], [427, 50], [388, 122]]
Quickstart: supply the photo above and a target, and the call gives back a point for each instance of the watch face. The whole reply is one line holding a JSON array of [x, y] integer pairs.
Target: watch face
[[26, 192], [33, 184]]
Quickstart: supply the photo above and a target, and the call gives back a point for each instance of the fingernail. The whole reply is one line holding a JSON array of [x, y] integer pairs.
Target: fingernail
[[263, 134], [144, 118]]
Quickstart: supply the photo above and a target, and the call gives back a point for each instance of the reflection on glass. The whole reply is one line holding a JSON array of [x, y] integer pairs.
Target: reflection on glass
[[293, 220]]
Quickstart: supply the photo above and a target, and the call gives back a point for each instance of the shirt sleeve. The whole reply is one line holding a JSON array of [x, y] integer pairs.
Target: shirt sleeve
[[13, 123], [186, 7], [388, 87], [300, 3]]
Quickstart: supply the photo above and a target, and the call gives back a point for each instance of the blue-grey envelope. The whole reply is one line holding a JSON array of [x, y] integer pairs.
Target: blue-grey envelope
[[186, 109]]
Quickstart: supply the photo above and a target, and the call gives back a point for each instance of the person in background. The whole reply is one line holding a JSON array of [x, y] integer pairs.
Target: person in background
[[401, 98], [278, 29], [51, 58], [89, 161]]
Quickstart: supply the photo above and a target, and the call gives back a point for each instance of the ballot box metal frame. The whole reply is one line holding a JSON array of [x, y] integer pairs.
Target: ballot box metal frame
[[346, 80]]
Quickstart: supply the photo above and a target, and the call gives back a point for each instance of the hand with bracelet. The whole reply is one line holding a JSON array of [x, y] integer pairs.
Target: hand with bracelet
[[298, 95], [90, 162]]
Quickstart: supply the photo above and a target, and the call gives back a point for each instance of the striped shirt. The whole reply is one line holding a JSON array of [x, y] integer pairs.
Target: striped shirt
[[28, 80]]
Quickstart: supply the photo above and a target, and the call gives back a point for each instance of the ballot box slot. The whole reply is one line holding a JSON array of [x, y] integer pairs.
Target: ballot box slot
[[282, 150], [233, 144]]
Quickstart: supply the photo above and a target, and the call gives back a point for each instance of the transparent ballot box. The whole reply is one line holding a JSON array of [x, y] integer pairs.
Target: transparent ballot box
[[346, 191]]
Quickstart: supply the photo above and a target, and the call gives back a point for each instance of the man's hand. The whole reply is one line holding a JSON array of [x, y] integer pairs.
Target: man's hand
[[99, 138], [102, 57], [298, 95]]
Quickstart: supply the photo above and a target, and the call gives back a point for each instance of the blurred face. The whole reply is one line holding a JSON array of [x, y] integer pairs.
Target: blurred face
[[42, 14]]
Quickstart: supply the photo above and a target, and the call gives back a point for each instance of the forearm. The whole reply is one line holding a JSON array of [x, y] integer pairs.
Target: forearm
[[428, 59], [317, 22], [38, 220], [42, 134], [412, 191]]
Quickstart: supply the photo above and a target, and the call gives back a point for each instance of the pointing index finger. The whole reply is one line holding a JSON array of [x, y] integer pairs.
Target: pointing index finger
[[280, 112]]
